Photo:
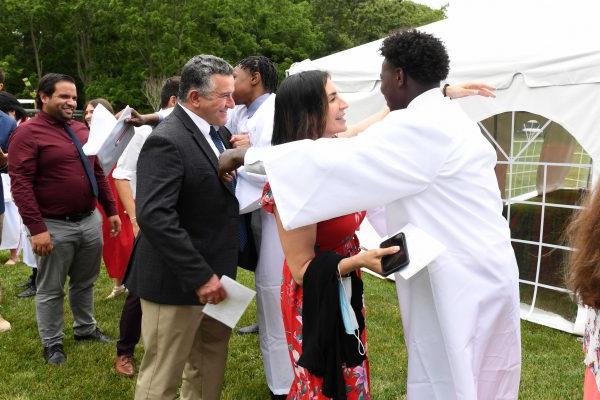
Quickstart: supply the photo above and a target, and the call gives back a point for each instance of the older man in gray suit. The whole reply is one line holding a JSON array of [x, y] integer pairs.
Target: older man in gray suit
[[188, 239]]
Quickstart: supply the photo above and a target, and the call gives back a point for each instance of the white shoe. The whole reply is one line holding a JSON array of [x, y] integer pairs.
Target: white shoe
[[4, 325], [116, 292]]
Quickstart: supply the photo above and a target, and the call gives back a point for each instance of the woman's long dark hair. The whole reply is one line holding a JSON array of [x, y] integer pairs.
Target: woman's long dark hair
[[583, 275], [300, 107]]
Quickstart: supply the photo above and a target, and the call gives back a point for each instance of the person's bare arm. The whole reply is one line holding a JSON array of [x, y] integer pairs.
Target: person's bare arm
[[138, 119], [299, 244], [470, 89], [452, 91], [364, 124], [298, 247], [126, 196]]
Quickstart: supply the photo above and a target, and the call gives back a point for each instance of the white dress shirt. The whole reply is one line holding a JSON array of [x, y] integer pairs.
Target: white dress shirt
[[204, 128], [127, 164]]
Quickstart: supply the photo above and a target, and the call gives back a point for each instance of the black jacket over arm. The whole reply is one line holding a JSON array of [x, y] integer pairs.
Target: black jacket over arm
[[188, 217], [325, 344]]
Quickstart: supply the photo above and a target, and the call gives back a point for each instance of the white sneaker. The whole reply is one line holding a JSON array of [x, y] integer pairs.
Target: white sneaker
[[116, 292], [4, 324]]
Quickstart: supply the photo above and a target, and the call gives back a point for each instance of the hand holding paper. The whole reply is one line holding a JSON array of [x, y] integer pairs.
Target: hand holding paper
[[108, 136], [230, 310]]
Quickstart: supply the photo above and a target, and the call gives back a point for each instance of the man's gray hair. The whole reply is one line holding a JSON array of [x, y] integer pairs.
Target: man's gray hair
[[196, 74]]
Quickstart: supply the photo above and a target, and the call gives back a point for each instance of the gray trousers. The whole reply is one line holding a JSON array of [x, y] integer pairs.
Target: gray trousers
[[77, 254]]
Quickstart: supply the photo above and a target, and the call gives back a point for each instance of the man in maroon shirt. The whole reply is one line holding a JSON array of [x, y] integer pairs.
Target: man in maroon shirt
[[55, 186]]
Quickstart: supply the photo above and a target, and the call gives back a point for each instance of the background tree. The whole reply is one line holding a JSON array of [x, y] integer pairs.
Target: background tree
[[123, 49], [349, 23]]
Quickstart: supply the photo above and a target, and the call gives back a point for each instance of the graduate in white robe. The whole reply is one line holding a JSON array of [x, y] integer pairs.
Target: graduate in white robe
[[14, 234], [428, 163], [255, 82]]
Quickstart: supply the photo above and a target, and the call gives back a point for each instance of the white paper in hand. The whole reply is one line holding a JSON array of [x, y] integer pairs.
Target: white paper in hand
[[230, 310], [422, 250], [116, 142], [108, 136], [102, 123]]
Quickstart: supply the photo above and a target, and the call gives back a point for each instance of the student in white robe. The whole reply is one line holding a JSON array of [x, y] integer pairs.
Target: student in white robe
[[251, 123], [14, 235], [255, 84], [430, 166]]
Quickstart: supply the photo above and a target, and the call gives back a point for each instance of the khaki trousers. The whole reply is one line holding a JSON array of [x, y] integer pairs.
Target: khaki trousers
[[182, 345]]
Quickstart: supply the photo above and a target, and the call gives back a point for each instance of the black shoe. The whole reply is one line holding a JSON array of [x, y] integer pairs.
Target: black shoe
[[30, 291], [96, 335], [55, 355], [278, 396], [244, 330]]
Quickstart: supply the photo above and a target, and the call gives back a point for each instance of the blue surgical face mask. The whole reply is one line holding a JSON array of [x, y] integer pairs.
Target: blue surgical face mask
[[348, 315]]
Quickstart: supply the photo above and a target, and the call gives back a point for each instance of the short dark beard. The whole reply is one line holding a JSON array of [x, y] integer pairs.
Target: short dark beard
[[58, 116]]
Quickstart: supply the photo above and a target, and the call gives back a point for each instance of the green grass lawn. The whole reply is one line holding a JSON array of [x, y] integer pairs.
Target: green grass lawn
[[552, 367]]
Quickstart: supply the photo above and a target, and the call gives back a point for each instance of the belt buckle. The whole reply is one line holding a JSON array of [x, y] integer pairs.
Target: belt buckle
[[77, 217]]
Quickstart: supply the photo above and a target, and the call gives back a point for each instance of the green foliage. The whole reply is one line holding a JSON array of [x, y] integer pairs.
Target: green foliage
[[348, 23], [112, 47], [375, 19]]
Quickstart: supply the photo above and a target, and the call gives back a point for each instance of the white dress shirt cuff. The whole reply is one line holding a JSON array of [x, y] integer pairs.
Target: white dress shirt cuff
[[253, 161]]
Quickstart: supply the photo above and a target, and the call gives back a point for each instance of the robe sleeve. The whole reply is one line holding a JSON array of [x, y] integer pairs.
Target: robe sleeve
[[314, 181]]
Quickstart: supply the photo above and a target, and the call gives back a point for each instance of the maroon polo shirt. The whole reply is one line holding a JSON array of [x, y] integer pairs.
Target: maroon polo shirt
[[47, 177]]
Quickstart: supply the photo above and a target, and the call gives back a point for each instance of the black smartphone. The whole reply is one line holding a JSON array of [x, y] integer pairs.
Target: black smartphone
[[397, 261]]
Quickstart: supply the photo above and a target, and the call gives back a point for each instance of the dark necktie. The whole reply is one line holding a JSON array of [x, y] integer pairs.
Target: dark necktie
[[84, 160], [242, 235]]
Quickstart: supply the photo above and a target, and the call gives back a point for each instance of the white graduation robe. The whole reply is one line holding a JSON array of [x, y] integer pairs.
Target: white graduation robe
[[14, 234], [430, 166], [269, 270]]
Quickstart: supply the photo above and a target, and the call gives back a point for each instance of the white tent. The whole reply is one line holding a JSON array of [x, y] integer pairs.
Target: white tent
[[543, 57]]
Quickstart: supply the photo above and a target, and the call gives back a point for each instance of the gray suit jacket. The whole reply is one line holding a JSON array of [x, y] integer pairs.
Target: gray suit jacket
[[188, 217]]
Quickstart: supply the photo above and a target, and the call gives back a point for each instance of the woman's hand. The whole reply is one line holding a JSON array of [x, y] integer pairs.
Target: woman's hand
[[370, 259]]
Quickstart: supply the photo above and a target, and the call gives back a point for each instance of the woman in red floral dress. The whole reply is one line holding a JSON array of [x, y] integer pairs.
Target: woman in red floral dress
[[116, 249], [307, 107]]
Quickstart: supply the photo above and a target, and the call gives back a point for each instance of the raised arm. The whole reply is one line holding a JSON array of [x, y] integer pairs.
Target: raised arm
[[452, 91], [354, 130], [469, 89]]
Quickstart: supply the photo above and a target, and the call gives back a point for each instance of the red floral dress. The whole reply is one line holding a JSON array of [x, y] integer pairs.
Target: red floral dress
[[338, 235]]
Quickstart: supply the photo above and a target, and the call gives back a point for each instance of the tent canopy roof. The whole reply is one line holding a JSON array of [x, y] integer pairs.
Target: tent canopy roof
[[549, 43]]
